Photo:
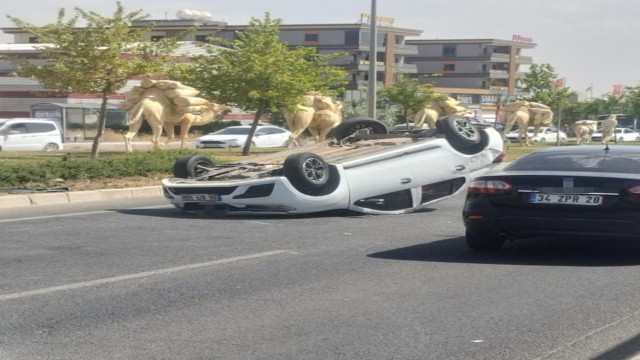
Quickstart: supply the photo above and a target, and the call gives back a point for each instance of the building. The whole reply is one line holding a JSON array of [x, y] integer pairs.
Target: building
[[480, 73], [351, 39]]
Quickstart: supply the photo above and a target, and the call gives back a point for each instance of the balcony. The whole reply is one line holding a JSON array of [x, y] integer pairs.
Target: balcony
[[402, 49], [363, 65], [498, 74], [497, 57], [524, 60], [406, 68]]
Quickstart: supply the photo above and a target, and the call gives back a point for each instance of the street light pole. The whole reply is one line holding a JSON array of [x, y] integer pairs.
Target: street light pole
[[373, 57]]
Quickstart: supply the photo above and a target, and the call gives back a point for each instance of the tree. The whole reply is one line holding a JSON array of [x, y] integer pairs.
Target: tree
[[540, 83], [409, 95], [631, 101], [98, 58], [259, 73]]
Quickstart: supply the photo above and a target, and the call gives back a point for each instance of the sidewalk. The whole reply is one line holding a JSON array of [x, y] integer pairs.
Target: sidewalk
[[53, 198]]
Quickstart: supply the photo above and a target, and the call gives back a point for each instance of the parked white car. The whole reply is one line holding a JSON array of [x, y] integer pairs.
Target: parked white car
[[622, 134], [30, 134], [236, 136], [545, 135], [363, 169]]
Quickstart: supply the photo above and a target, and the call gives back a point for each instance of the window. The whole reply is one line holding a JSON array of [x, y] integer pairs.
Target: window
[[311, 37], [449, 50], [157, 37], [40, 127], [449, 67], [17, 129], [351, 37], [202, 38]]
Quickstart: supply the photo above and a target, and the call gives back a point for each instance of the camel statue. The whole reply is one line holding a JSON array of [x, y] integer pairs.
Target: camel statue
[[317, 113], [442, 106], [584, 129], [165, 104], [525, 114]]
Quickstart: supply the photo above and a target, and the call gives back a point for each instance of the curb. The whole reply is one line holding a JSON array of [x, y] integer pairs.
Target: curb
[[36, 199]]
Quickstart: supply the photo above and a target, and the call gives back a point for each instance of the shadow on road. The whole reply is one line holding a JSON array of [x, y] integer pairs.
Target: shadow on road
[[172, 212], [534, 251]]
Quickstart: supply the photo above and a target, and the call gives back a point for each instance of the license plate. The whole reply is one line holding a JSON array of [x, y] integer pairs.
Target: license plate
[[200, 197], [567, 199]]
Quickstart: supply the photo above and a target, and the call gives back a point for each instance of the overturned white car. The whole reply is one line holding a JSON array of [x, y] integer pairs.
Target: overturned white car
[[364, 170]]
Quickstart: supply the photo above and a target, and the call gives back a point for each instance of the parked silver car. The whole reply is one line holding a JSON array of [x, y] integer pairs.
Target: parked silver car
[[236, 136]]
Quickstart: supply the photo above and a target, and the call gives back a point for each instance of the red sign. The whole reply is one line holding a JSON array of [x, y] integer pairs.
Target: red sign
[[521, 38], [617, 90], [559, 82]]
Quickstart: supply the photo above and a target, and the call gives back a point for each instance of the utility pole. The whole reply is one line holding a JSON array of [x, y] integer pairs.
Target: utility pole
[[373, 57]]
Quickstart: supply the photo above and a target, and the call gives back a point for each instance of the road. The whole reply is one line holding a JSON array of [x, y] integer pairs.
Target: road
[[142, 280]]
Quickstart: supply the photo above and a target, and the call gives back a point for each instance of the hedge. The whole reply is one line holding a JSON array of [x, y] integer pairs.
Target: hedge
[[18, 172]]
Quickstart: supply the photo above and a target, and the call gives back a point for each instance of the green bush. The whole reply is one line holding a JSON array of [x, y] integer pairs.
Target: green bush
[[18, 172]]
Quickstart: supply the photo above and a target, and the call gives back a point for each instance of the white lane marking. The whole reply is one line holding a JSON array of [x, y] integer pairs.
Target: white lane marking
[[81, 213], [139, 275]]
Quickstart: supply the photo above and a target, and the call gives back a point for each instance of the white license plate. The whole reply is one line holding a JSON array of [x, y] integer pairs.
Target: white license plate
[[566, 199], [199, 197]]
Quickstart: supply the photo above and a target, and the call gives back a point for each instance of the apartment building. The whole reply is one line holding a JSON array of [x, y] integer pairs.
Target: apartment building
[[480, 73]]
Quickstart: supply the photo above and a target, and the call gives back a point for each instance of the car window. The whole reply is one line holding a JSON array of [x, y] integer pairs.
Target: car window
[[40, 127], [274, 131], [233, 131], [19, 128], [617, 163]]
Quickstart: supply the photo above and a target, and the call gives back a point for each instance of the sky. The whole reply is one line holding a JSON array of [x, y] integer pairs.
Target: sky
[[590, 43]]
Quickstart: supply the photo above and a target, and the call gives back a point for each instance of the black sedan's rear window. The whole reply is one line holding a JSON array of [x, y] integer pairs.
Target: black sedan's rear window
[[616, 163]]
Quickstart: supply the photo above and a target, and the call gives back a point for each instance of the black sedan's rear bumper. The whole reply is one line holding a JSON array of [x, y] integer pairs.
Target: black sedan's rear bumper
[[523, 222]]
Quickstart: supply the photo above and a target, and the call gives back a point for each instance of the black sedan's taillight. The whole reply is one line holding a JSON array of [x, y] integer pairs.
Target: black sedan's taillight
[[489, 186], [634, 192]]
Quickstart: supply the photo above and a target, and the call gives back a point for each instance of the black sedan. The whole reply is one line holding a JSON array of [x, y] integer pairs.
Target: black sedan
[[578, 191]]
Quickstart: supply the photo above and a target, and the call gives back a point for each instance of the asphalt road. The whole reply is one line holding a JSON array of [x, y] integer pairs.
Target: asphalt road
[[142, 280]]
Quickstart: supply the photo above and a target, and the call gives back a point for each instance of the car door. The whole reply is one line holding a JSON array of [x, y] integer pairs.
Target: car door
[[410, 168], [267, 137]]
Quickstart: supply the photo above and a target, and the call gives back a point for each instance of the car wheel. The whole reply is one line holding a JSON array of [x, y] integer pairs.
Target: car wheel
[[51, 147], [564, 139], [191, 166], [349, 127], [461, 134], [620, 139], [637, 139], [543, 140], [483, 241], [306, 171]]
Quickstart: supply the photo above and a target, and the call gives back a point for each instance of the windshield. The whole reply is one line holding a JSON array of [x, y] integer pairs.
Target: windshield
[[233, 131]]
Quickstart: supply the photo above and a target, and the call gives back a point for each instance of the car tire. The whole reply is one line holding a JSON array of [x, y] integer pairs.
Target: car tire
[[306, 171], [349, 127], [51, 147], [192, 166], [543, 140], [637, 139], [461, 134], [483, 241]]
